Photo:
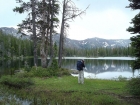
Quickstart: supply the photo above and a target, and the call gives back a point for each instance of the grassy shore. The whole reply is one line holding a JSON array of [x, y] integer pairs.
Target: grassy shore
[[65, 90]]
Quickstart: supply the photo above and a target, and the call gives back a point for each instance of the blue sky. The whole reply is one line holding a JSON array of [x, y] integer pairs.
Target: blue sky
[[104, 19]]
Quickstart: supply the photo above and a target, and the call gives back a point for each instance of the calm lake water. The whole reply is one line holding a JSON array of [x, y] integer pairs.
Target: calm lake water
[[104, 67], [101, 67]]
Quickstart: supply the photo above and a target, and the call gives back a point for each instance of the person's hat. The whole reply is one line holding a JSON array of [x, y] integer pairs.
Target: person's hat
[[83, 60]]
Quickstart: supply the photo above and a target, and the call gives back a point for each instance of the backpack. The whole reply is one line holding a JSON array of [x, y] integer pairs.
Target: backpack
[[79, 65]]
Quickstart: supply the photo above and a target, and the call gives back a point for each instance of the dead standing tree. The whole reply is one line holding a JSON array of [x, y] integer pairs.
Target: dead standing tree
[[70, 12]]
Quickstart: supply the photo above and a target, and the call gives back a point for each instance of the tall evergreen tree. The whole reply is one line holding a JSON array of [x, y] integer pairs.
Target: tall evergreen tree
[[135, 29], [34, 31], [134, 4], [40, 22], [54, 10], [27, 7]]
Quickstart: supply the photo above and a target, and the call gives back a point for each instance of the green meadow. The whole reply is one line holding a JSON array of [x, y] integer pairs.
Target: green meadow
[[65, 90]]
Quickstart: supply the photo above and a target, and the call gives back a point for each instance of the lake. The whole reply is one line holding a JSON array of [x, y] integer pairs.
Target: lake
[[97, 68], [100, 67]]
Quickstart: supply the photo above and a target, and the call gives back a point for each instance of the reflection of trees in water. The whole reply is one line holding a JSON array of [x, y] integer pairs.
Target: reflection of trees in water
[[69, 63], [7, 66], [98, 65], [93, 65]]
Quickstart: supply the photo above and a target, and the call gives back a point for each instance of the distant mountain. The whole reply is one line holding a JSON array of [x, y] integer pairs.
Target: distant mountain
[[78, 44], [94, 42], [14, 32]]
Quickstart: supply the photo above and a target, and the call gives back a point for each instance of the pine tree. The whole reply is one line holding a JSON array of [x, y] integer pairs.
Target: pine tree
[[135, 29], [27, 24], [40, 23]]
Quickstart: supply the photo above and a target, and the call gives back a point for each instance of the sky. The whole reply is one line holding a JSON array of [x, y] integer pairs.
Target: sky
[[107, 19]]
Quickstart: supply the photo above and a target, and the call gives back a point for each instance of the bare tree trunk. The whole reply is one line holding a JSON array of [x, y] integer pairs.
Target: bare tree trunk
[[51, 31], [48, 30], [47, 43], [42, 53], [42, 48], [61, 37], [70, 12], [61, 45], [34, 32]]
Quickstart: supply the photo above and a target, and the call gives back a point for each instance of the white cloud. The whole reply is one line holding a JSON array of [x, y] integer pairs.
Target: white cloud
[[109, 24], [102, 19], [79, 33]]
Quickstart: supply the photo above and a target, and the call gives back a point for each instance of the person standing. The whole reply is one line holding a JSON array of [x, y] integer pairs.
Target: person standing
[[80, 67]]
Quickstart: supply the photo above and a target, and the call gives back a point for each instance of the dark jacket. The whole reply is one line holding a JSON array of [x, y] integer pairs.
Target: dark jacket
[[80, 65]]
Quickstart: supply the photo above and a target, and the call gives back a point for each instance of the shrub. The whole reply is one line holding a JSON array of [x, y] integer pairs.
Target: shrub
[[133, 86], [16, 82], [48, 72], [40, 72], [62, 71], [24, 74], [121, 78]]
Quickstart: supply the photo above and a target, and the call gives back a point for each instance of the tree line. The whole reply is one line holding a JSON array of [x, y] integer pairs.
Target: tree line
[[101, 52], [42, 21], [11, 47]]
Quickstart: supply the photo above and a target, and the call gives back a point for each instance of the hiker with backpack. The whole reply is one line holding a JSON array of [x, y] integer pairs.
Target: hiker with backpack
[[80, 67]]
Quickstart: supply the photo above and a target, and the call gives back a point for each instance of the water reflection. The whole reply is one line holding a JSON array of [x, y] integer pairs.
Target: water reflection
[[9, 99], [8, 66], [104, 69], [96, 68], [100, 68]]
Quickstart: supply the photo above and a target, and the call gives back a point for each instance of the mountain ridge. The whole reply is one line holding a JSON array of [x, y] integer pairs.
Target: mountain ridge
[[88, 43]]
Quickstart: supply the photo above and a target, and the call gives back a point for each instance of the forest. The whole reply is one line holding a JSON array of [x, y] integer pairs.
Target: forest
[[43, 18], [50, 83], [13, 48]]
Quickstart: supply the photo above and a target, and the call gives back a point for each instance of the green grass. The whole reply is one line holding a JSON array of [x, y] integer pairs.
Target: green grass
[[69, 83], [65, 90], [92, 92]]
